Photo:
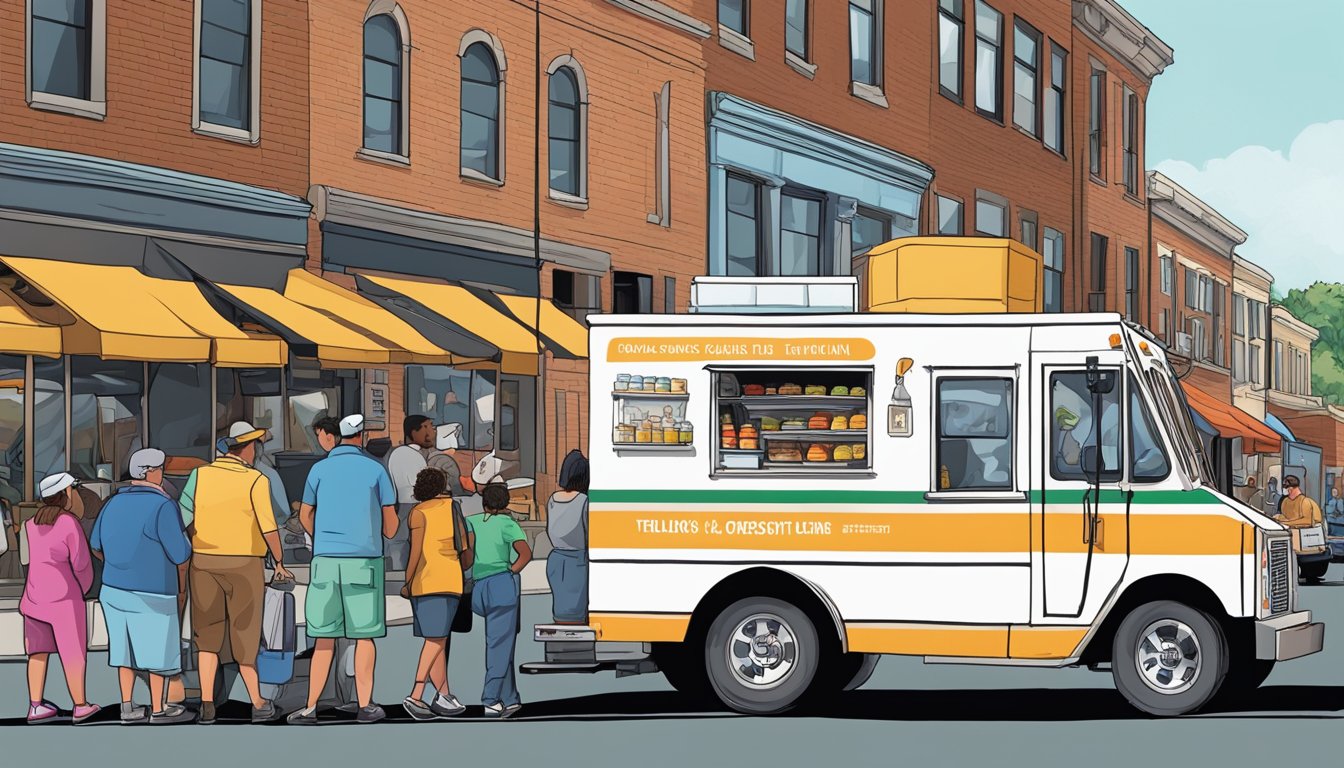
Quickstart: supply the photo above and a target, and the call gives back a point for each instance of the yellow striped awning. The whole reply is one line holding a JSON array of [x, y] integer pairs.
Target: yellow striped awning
[[22, 334], [559, 328]]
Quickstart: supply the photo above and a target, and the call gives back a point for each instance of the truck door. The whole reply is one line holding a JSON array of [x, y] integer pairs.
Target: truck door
[[1083, 541]]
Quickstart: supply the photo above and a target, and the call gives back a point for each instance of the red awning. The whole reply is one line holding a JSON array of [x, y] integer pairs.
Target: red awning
[[1231, 421]]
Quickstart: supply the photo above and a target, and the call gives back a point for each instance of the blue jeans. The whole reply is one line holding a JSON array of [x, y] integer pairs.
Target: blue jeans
[[496, 599]]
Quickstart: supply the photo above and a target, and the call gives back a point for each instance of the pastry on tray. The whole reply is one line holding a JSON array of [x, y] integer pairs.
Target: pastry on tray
[[858, 392], [784, 452], [790, 389], [752, 390], [844, 453], [858, 421], [817, 452], [820, 421], [840, 390], [814, 389], [839, 423]]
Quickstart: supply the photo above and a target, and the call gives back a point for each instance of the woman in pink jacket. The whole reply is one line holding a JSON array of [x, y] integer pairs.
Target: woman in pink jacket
[[60, 571]]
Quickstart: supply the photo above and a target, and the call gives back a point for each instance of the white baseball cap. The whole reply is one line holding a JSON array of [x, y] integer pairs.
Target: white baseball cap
[[145, 459], [352, 425], [54, 484]]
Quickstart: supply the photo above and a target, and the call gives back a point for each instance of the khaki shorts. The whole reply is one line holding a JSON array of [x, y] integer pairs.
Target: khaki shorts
[[226, 603]]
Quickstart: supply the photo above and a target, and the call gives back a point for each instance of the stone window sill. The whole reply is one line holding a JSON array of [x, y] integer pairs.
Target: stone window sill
[[799, 65], [869, 93], [386, 158], [50, 102], [737, 43], [568, 200], [226, 133], [475, 176]]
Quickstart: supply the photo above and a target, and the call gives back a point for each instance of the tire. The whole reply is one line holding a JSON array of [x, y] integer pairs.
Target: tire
[[1169, 659], [762, 655], [681, 665], [848, 672], [1314, 571]]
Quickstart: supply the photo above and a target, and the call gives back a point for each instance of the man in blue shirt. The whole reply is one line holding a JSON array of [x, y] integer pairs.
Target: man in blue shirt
[[348, 507], [140, 538]]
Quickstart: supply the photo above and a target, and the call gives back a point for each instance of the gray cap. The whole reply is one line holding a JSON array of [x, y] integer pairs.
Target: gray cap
[[145, 459]]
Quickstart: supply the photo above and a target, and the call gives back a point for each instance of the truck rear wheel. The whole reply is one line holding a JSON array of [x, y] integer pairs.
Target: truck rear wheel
[[1169, 659], [762, 655], [683, 666]]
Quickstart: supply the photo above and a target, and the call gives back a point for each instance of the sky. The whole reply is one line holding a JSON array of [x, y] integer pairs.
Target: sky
[[1250, 118]]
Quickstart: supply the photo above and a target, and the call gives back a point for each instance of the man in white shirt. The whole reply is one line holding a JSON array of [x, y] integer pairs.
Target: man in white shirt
[[403, 464]]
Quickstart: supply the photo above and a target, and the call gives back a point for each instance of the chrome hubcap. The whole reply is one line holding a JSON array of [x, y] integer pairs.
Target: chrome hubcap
[[1168, 656], [762, 651]]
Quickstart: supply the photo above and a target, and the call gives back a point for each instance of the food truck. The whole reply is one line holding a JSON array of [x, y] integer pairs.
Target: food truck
[[784, 489]]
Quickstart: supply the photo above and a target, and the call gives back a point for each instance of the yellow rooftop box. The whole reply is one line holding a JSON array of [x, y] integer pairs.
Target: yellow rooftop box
[[953, 275]]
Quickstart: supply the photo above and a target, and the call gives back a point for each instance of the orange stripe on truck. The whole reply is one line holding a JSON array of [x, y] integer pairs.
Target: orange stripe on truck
[[640, 627]]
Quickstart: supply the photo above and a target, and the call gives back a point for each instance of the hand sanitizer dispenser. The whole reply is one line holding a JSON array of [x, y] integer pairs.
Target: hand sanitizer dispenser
[[900, 413]]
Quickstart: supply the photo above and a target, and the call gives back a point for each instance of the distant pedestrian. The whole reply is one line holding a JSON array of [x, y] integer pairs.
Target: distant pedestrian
[[404, 464], [440, 549], [227, 508], [348, 507], [567, 528], [60, 573], [501, 553], [142, 542]]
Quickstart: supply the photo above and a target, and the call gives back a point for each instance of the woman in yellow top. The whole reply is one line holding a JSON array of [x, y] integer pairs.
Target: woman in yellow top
[[441, 549]]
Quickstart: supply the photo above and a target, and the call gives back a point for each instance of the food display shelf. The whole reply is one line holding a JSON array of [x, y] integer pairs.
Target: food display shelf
[[797, 402], [798, 435], [651, 395]]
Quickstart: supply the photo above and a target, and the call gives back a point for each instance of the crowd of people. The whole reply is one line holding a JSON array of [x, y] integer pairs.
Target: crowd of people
[[202, 554]]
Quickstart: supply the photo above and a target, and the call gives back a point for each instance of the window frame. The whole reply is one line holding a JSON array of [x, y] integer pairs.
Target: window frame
[[1025, 217], [952, 12], [805, 54], [744, 7], [873, 91], [997, 113], [1133, 279], [808, 195], [251, 135], [644, 298], [572, 307], [95, 106], [1060, 94], [1011, 493], [1145, 410], [1129, 137], [996, 201], [961, 214], [1096, 124], [1167, 276], [492, 46], [403, 154], [575, 71], [1121, 471], [761, 202], [669, 294], [1034, 67], [1057, 270]]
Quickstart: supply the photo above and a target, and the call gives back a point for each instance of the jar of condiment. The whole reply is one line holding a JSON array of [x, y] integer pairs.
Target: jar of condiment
[[625, 433], [686, 433], [622, 382], [650, 383], [644, 433], [662, 384], [671, 435], [636, 384]]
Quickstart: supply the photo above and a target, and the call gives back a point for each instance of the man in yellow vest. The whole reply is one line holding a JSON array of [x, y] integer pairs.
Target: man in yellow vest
[[1298, 510]]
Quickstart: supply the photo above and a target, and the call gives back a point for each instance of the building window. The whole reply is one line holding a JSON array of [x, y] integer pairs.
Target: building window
[[868, 230], [179, 410], [734, 15], [744, 227], [988, 61], [951, 28], [949, 216], [1238, 361], [865, 42], [482, 105], [566, 125], [1199, 342], [1164, 323], [1055, 108], [799, 235], [975, 434], [1131, 142], [1096, 298], [1219, 310], [1255, 319], [1254, 356], [1027, 227], [1096, 124], [383, 86], [1239, 315], [105, 416], [1276, 375], [1132, 284], [662, 147], [1168, 274], [1054, 270], [991, 215], [228, 57], [1206, 293], [450, 396], [1191, 289], [67, 59], [670, 295], [631, 293], [795, 28], [577, 293], [1026, 76]]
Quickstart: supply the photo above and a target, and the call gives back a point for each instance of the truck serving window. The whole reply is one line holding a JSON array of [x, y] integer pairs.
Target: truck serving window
[[975, 434], [1073, 428], [1148, 460], [790, 421]]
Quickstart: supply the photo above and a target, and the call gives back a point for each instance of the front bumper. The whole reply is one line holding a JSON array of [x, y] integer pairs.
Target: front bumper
[[1290, 636]]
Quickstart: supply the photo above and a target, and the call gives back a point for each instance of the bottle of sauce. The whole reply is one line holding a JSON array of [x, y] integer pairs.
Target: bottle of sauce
[[644, 432], [686, 433]]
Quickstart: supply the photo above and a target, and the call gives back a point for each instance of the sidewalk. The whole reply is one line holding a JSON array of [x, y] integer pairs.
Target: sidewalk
[[534, 578]]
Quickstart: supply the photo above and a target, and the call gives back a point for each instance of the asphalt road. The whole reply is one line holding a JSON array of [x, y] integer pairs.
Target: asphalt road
[[908, 712]]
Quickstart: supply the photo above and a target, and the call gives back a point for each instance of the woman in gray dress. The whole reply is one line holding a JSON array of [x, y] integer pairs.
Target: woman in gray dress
[[567, 528]]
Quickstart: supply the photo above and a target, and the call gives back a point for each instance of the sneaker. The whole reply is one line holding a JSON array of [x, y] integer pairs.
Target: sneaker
[[498, 710], [42, 712], [265, 713], [349, 708], [370, 714], [305, 716], [171, 714], [417, 709], [133, 715], [207, 716], [85, 712], [447, 706]]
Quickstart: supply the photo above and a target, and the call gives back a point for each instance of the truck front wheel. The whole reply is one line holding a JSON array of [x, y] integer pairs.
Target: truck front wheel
[[1314, 571], [762, 655], [1169, 659], [683, 666]]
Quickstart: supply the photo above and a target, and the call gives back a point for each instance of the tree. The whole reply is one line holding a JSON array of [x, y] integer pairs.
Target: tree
[[1322, 307]]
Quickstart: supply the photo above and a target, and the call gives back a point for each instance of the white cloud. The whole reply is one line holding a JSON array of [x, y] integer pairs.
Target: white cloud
[[1291, 206]]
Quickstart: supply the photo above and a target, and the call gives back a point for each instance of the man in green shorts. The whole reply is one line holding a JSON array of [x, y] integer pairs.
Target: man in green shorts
[[351, 496]]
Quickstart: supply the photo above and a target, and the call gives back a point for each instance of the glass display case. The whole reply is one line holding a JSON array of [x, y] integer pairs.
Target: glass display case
[[791, 421], [649, 414]]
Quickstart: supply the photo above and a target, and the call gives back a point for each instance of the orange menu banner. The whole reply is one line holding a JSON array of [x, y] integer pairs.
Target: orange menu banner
[[696, 350]]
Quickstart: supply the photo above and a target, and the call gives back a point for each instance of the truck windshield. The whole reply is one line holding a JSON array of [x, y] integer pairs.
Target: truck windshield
[[1176, 415]]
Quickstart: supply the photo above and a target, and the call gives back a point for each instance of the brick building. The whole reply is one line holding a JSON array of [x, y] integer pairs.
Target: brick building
[[1318, 426], [426, 190]]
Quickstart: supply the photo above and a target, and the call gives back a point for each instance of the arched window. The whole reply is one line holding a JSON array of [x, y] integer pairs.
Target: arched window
[[566, 130], [481, 107], [384, 92]]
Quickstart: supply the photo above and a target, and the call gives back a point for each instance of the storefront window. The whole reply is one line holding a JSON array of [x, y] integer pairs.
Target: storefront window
[[48, 417], [105, 416], [450, 396], [11, 432], [252, 395], [179, 410], [305, 409]]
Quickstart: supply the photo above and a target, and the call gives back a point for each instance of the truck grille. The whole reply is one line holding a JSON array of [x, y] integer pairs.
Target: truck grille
[[1280, 575]]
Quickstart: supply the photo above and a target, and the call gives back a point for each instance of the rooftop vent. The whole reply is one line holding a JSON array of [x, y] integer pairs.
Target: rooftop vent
[[774, 295]]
